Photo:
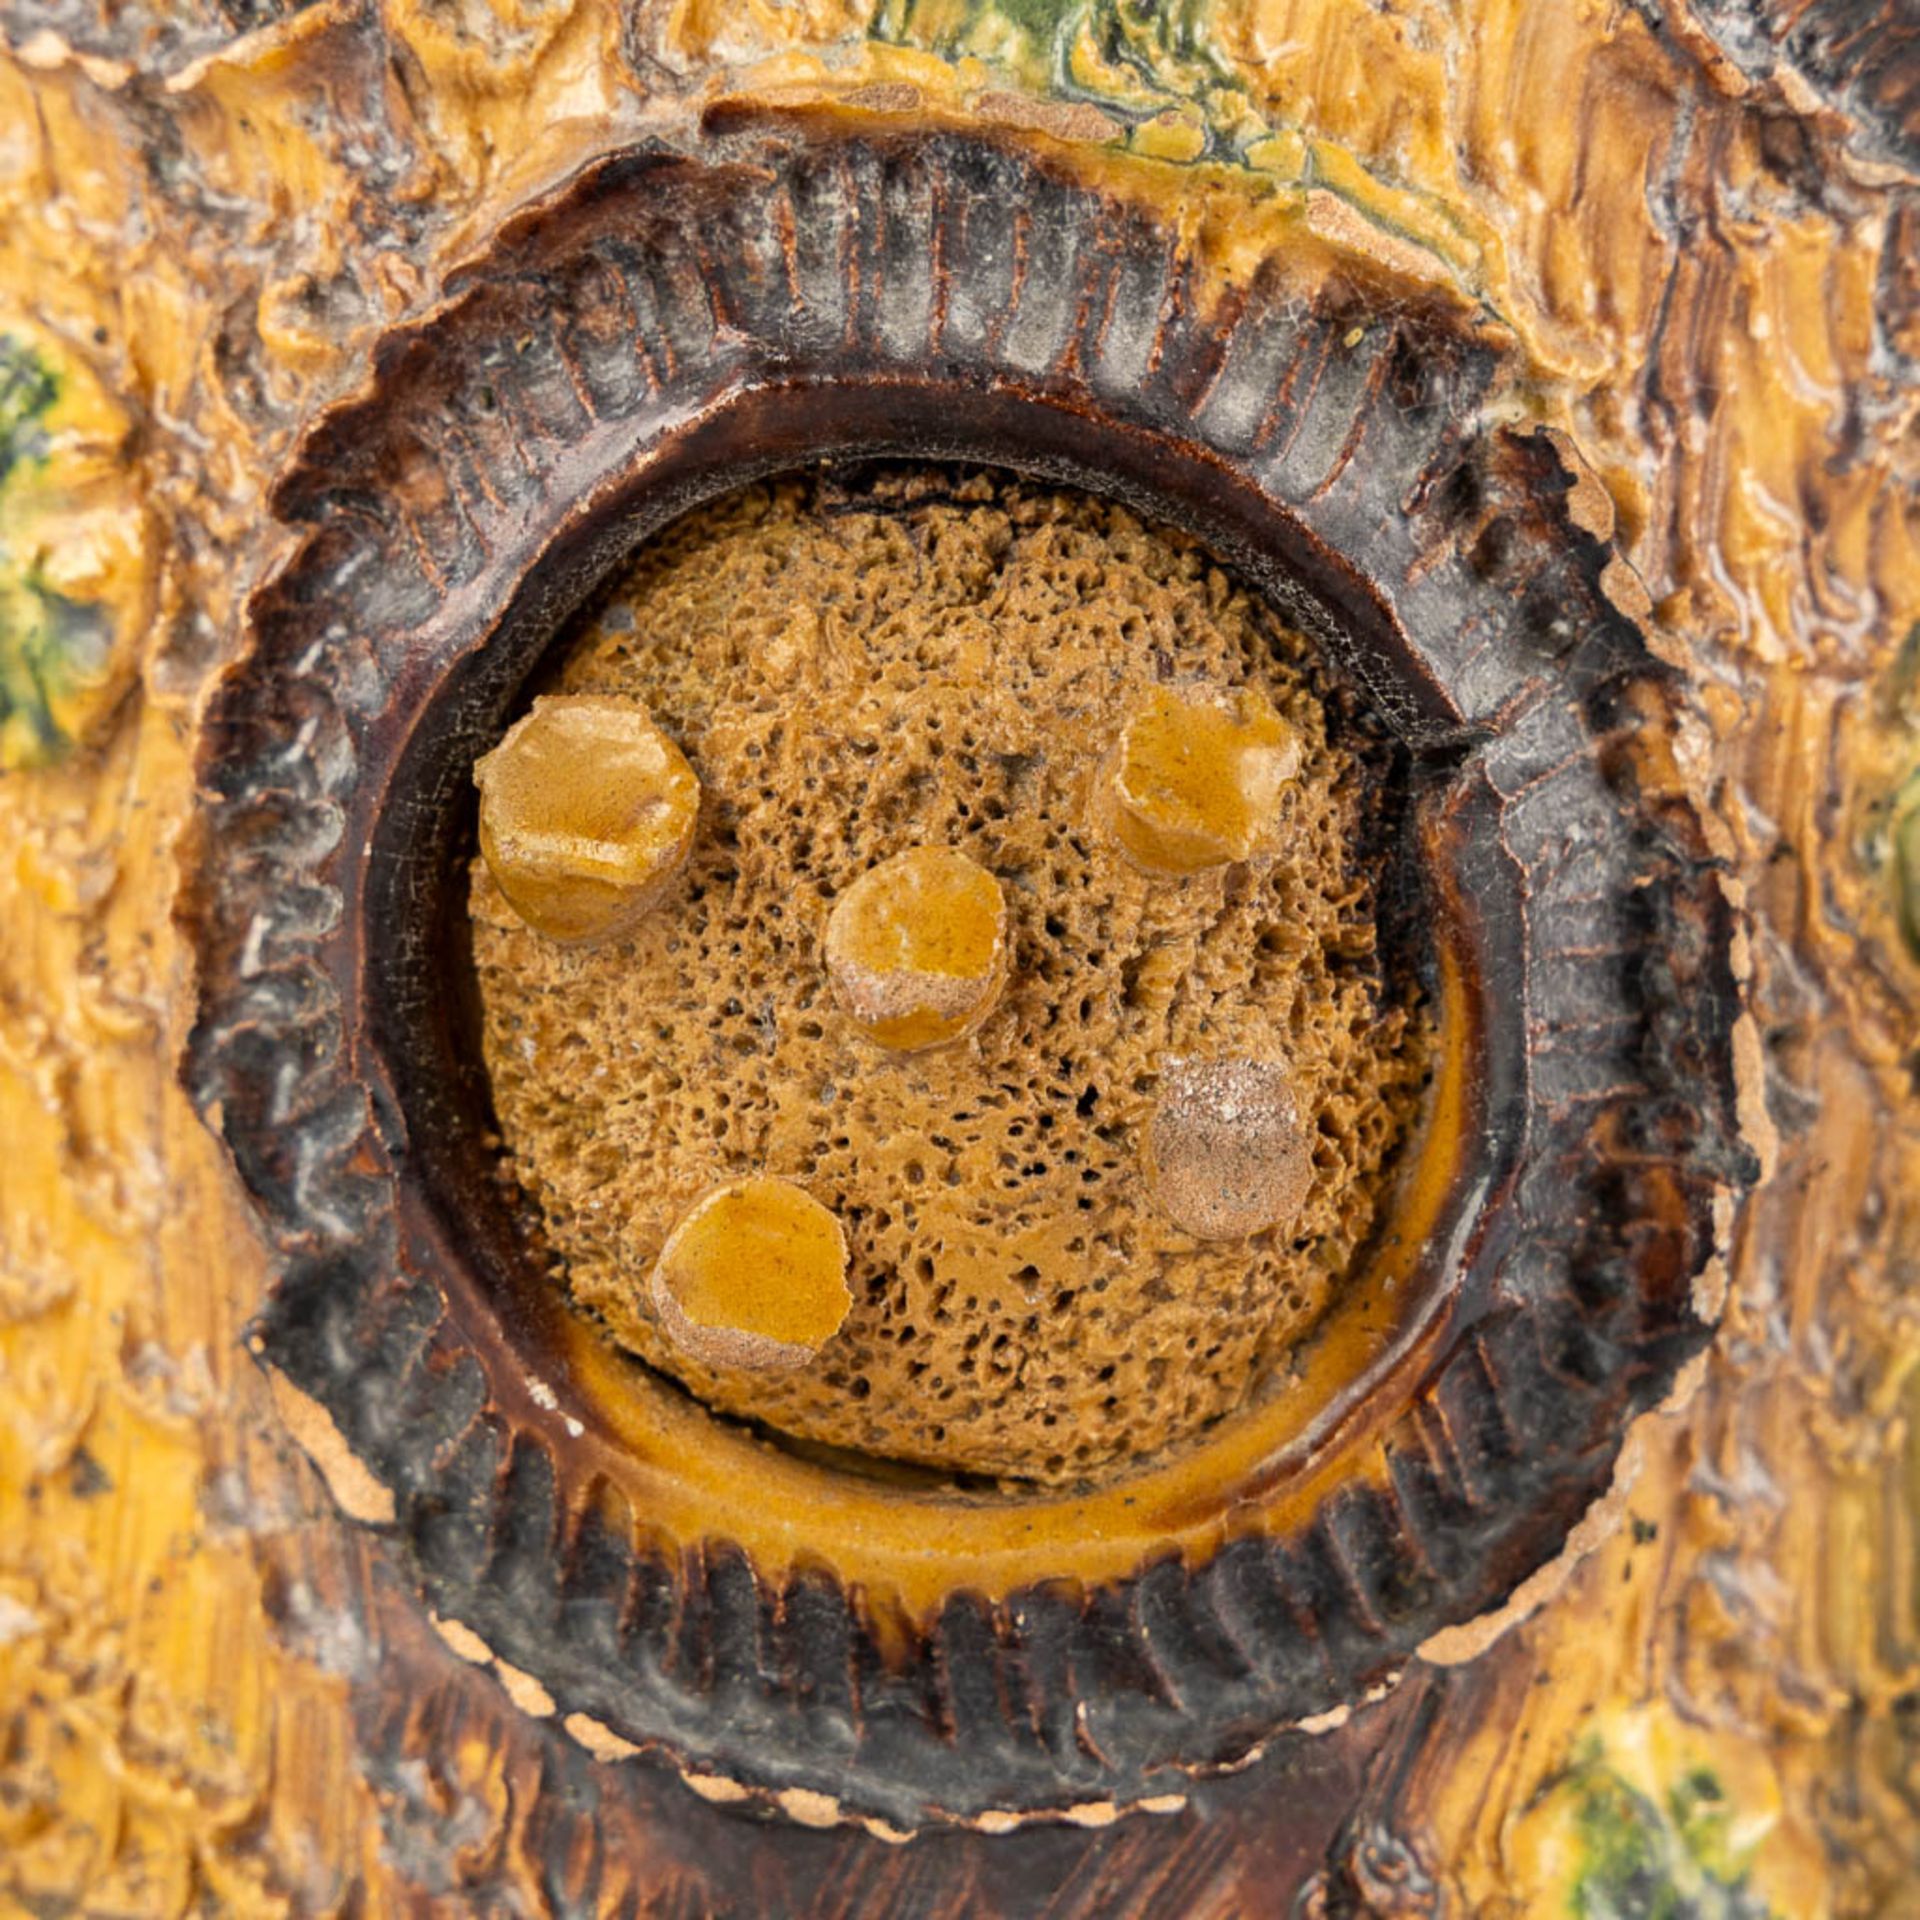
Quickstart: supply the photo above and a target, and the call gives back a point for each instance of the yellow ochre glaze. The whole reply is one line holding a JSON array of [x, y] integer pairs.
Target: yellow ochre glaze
[[755, 1275], [1194, 779], [586, 813], [917, 947]]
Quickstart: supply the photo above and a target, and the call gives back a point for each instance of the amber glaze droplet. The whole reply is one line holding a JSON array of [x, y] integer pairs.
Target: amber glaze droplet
[[1225, 1153], [587, 811], [917, 948], [1194, 779], [754, 1276]]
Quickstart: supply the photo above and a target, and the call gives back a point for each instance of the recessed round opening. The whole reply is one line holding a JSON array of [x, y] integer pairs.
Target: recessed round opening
[[694, 1473], [1118, 1207], [646, 345]]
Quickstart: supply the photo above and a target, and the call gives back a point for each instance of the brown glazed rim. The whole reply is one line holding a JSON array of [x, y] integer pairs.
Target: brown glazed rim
[[671, 323]]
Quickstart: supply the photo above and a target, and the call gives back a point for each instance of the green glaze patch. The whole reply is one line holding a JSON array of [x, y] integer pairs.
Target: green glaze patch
[[27, 390], [1158, 73], [50, 646], [1641, 1860], [1906, 863], [1138, 62]]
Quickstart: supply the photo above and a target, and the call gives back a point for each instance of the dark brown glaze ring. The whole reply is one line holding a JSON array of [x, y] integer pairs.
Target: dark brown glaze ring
[[667, 326]]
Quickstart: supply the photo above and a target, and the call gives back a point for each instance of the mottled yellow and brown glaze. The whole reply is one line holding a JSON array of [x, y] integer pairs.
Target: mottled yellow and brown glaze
[[218, 1692]]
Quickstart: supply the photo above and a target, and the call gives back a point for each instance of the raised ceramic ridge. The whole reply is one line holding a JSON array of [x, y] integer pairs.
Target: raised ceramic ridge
[[502, 457]]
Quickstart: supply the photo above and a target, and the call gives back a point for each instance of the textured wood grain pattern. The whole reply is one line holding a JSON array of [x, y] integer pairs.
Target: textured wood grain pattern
[[215, 1693]]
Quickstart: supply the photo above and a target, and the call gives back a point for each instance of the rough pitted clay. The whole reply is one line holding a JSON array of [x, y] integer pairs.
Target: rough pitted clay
[[855, 668]]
